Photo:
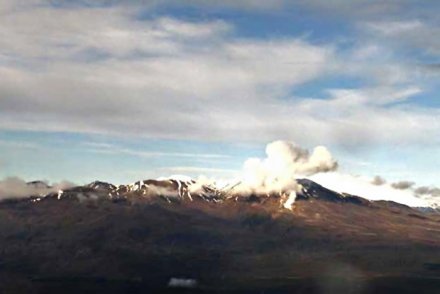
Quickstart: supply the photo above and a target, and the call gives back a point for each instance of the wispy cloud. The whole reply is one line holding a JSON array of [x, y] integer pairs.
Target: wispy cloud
[[201, 170], [105, 148], [19, 144], [416, 33]]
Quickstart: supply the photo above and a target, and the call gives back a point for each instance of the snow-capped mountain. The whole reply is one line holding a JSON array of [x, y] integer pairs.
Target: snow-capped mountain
[[145, 233], [178, 189]]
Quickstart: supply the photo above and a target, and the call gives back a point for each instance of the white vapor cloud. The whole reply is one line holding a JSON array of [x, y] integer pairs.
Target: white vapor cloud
[[14, 187], [286, 162], [277, 173]]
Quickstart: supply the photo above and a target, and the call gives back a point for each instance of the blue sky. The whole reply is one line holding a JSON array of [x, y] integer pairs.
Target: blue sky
[[124, 90]]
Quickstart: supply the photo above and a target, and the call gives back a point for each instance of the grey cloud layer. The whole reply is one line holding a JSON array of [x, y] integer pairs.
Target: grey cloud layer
[[429, 194], [101, 70], [403, 185]]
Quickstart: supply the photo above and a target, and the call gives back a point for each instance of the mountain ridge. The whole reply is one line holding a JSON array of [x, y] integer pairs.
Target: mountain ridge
[[170, 189], [90, 237]]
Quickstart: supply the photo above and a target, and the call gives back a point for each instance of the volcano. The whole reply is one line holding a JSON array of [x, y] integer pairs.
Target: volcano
[[175, 235]]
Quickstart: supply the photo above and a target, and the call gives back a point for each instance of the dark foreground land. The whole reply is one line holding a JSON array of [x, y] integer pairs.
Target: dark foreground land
[[233, 247]]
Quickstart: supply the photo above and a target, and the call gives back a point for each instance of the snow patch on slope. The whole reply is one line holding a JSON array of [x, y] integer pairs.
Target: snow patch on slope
[[181, 178]]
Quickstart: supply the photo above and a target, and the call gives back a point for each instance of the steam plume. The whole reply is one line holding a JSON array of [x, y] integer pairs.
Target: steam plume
[[284, 162]]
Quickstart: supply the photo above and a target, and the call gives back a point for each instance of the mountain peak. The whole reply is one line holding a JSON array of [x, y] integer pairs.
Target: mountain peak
[[312, 190], [38, 184], [99, 185]]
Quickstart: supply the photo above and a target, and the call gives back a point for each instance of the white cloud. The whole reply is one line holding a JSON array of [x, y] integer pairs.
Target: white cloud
[[368, 117], [170, 77], [102, 70], [372, 96], [404, 34], [394, 27], [13, 187]]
